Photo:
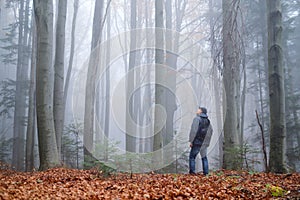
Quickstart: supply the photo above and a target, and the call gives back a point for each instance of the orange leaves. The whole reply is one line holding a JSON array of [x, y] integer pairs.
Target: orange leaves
[[63, 183]]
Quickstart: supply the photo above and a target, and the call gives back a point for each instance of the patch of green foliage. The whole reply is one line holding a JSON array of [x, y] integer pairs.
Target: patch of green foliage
[[276, 191]]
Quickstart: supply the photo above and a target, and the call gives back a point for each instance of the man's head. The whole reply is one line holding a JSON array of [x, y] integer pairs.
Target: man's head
[[201, 110]]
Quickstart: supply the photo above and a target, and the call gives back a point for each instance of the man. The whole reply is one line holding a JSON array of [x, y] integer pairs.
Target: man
[[200, 135]]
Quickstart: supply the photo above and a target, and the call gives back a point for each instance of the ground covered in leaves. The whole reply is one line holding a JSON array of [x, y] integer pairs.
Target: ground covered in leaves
[[61, 183]]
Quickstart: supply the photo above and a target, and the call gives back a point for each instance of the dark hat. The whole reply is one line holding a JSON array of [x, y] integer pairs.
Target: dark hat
[[204, 110]]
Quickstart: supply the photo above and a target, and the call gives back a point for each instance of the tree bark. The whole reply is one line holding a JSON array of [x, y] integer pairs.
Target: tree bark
[[231, 79], [70, 65], [243, 98], [58, 101], [107, 90], [291, 100], [276, 88], [138, 105], [171, 61], [43, 10], [264, 38], [88, 137], [262, 73], [216, 80], [31, 124], [18, 157], [159, 78], [130, 127], [148, 146]]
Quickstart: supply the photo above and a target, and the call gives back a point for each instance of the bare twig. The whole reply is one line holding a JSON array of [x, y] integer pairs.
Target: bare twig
[[263, 141]]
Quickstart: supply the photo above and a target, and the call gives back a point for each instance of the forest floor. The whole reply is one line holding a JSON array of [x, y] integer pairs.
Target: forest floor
[[62, 183]]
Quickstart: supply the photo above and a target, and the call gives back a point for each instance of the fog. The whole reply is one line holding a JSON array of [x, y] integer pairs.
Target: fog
[[137, 78]]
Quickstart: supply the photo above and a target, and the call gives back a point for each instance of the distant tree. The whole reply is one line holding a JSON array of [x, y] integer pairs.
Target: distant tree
[[147, 97], [174, 14], [72, 48], [130, 127], [257, 64], [31, 119], [58, 101], [107, 79], [89, 112], [43, 10], [231, 79], [10, 44], [276, 88], [18, 160], [7, 103], [172, 45], [5, 146], [72, 150], [292, 91], [7, 97], [215, 44], [160, 73]]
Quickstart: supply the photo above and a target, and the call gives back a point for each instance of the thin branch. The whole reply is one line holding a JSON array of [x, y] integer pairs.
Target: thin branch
[[263, 141]]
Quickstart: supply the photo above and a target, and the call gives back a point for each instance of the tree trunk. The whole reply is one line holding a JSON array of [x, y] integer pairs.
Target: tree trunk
[[291, 109], [171, 61], [147, 99], [138, 105], [276, 88], [231, 71], [88, 137], [107, 90], [58, 106], [261, 122], [130, 125], [292, 119], [43, 10], [262, 72], [21, 87], [243, 99], [160, 75], [70, 65], [172, 46], [216, 81], [31, 124]]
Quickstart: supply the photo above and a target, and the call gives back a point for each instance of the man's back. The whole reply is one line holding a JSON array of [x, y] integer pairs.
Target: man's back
[[203, 126]]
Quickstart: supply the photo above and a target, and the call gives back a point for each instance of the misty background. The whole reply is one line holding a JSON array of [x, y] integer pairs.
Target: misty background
[[114, 60]]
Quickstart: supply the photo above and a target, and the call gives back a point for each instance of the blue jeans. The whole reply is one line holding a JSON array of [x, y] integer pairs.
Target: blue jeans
[[193, 154]]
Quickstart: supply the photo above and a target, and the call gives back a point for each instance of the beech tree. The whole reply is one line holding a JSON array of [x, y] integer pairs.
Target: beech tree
[[58, 107], [276, 88], [290, 45], [89, 112], [31, 122], [130, 128], [159, 75], [231, 79], [70, 64], [107, 83], [43, 10], [21, 86]]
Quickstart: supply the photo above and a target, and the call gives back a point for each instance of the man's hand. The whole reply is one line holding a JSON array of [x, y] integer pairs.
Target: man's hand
[[191, 144]]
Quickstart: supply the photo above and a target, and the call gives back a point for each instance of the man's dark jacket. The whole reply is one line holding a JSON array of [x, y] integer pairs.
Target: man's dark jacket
[[204, 132]]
